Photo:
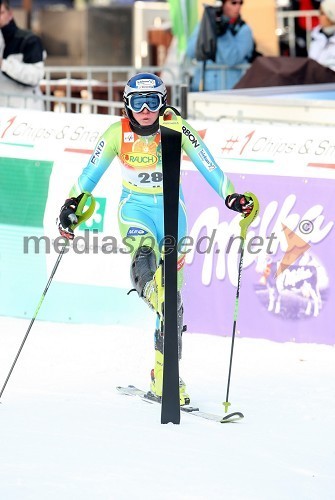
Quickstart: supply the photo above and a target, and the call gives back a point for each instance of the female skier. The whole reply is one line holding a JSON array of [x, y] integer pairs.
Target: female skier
[[136, 140]]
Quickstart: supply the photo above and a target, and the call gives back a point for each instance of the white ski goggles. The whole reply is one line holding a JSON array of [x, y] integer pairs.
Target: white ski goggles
[[137, 102]]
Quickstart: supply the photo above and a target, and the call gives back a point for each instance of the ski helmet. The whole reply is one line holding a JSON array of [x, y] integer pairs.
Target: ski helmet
[[144, 90]]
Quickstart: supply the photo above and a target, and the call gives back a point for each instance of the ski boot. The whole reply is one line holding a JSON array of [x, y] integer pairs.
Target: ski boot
[[156, 385], [153, 292], [184, 397], [147, 278]]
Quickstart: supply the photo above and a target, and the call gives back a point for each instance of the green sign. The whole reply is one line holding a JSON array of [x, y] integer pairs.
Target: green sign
[[24, 188]]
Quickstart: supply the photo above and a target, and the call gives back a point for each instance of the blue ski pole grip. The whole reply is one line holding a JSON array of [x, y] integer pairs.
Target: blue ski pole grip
[[81, 213], [248, 219]]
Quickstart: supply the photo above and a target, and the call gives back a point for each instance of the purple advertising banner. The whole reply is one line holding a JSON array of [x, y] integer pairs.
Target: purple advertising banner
[[295, 305], [291, 169]]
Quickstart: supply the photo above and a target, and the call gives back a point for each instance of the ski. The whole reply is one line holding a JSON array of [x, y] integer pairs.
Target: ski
[[170, 124], [148, 397]]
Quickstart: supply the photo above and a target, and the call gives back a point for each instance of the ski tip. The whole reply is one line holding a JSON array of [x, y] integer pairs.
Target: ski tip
[[232, 417], [171, 119], [168, 115], [169, 112]]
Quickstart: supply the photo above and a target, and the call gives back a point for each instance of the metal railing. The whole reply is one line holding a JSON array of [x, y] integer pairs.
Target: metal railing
[[191, 65], [88, 81], [90, 89], [286, 26]]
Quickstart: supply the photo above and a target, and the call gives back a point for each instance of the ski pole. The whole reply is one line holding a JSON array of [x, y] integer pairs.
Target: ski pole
[[81, 217], [244, 224]]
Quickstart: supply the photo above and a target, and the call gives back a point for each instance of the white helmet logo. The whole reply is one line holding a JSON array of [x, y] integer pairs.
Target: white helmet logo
[[145, 84]]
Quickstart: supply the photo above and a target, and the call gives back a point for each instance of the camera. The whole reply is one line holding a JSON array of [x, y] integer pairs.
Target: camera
[[222, 23]]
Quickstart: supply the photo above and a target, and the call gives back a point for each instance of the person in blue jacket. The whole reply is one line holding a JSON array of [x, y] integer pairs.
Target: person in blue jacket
[[234, 46]]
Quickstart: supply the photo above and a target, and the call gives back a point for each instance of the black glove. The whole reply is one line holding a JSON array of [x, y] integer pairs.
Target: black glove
[[239, 203], [67, 217]]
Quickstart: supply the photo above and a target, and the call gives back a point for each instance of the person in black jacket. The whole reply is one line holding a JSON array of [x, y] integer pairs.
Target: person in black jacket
[[21, 63]]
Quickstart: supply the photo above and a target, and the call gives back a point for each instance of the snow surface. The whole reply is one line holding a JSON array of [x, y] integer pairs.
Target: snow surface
[[66, 434]]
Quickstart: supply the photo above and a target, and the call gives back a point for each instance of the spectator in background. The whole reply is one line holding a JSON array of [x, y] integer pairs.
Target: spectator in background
[[322, 47], [234, 44], [21, 62], [302, 28]]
